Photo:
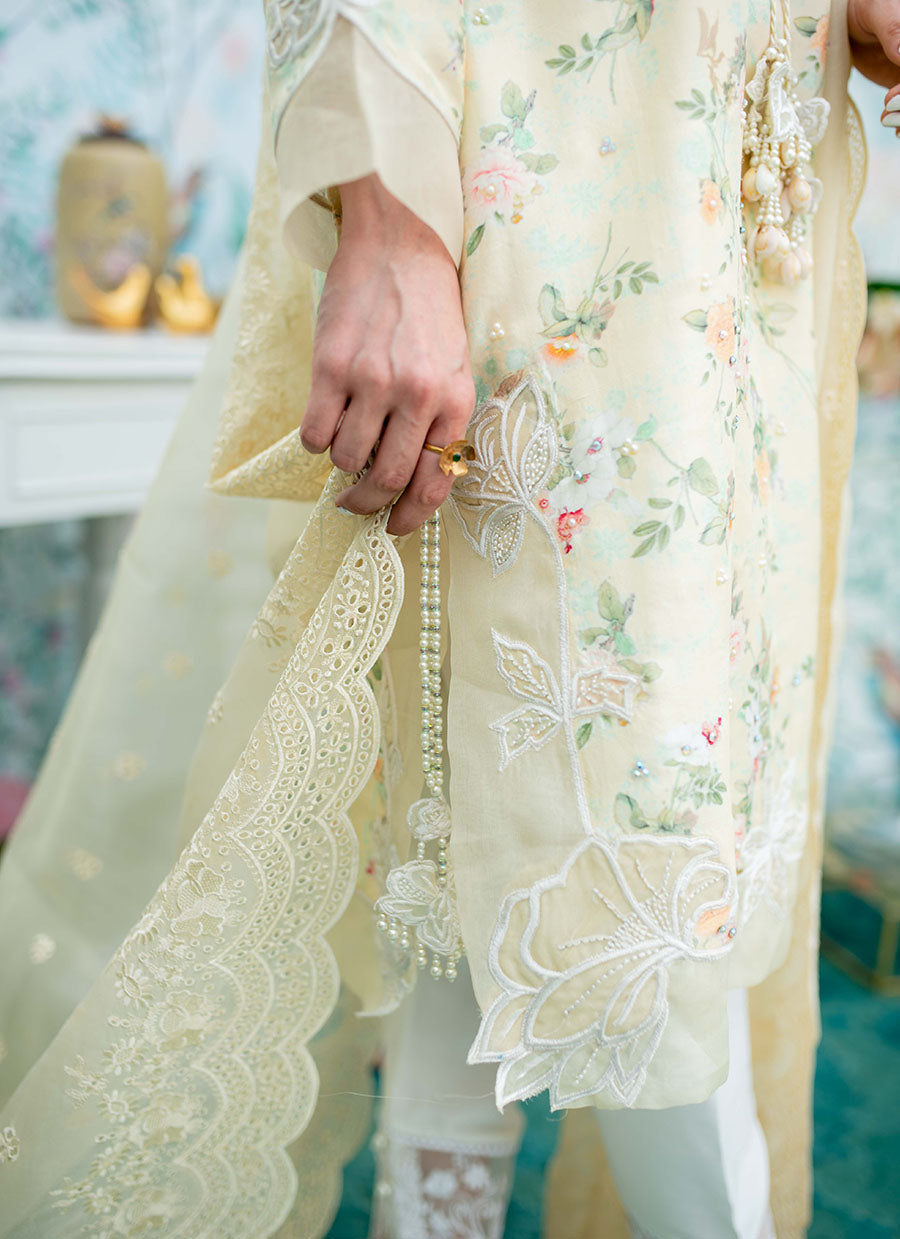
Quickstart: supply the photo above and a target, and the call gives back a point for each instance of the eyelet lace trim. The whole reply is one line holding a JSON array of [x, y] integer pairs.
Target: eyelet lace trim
[[202, 1077]]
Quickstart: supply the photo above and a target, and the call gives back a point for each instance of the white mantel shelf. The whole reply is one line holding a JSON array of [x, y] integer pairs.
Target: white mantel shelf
[[85, 416]]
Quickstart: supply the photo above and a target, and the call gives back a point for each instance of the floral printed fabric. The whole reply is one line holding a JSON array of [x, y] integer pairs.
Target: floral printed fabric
[[640, 527]]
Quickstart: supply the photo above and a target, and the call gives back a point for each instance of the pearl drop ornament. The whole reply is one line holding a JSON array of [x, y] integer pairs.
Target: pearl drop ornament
[[800, 193]]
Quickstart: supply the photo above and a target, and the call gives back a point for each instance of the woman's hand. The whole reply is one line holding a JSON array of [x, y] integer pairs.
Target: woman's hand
[[874, 29], [390, 363]]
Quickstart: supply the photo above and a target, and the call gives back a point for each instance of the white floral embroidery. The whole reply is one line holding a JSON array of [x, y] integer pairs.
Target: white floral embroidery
[[294, 28], [9, 1145], [441, 1192], [772, 848], [582, 1014], [516, 448], [416, 898]]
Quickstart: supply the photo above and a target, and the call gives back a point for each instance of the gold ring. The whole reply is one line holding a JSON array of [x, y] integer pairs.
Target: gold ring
[[453, 457]]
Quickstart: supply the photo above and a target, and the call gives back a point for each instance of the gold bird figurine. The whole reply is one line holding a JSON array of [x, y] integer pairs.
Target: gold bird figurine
[[121, 308], [184, 304]]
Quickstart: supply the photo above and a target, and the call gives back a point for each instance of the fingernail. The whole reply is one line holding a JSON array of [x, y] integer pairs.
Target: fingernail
[[893, 105], [891, 120]]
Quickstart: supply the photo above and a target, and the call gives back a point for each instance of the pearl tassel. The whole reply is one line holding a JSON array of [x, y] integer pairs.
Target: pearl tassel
[[433, 714], [780, 132], [438, 927]]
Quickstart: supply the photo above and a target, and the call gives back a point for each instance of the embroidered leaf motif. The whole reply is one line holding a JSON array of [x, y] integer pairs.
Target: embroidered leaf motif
[[527, 728], [583, 1005], [516, 450], [606, 689], [525, 672]]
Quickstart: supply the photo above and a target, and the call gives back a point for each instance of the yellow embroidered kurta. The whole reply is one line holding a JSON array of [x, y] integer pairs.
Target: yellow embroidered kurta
[[637, 621]]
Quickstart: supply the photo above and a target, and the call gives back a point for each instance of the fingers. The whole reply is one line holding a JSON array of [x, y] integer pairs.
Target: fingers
[[427, 490], [328, 394], [890, 117], [359, 431], [402, 464], [395, 462]]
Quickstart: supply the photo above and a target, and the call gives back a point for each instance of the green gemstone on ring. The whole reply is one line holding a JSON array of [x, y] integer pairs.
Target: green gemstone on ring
[[457, 456]]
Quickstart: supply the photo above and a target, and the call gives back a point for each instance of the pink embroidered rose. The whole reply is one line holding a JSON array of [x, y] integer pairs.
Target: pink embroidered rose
[[497, 181], [568, 523], [710, 201], [720, 330]]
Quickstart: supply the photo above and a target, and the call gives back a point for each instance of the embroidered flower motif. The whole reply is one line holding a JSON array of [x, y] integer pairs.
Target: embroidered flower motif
[[592, 455], [10, 1146], [182, 1019], [710, 201], [498, 183], [692, 743], [201, 901], [567, 524], [563, 348], [771, 848], [516, 449], [720, 335], [168, 1116], [416, 898], [429, 819], [582, 1007]]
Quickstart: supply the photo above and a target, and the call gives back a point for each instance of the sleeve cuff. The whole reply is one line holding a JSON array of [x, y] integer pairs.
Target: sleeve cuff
[[352, 115]]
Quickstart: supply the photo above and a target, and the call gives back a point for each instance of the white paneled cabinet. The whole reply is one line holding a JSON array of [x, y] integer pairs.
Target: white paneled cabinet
[[85, 416]]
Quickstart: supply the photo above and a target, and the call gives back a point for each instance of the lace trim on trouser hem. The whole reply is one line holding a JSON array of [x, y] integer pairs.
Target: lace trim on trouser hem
[[428, 1193]]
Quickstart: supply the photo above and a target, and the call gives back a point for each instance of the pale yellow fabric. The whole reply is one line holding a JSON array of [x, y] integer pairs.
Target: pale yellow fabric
[[353, 115], [185, 1087]]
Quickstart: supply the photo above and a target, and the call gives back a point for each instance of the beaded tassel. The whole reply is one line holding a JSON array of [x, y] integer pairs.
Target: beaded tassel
[[419, 905], [780, 132]]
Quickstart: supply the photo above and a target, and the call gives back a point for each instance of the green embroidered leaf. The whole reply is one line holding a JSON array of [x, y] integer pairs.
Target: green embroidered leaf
[[645, 528], [583, 734], [587, 43], [644, 547], [550, 305], [635, 284], [626, 466], [697, 319], [660, 503], [609, 604], [512, 102], [646, 430], [623, 643], [566, 50], [678, 519], [617, 290], [562, 327], [662, 538], [489, 132], [806, 25], [714, 533], [625, 810], [545, 164], [568, 431], [701, 477], [474, 240]]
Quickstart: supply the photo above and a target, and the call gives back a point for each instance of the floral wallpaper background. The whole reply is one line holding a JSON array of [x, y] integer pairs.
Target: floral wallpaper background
[[185, 74]]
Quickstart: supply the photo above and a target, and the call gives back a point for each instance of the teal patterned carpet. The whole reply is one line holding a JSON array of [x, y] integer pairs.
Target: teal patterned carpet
[[857, 1111]]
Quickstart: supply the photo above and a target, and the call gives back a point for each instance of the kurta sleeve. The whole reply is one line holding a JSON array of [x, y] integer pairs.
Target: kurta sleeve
[[356, 91]]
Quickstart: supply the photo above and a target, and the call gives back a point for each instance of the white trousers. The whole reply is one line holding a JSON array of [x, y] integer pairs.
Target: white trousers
[[690, 1172]]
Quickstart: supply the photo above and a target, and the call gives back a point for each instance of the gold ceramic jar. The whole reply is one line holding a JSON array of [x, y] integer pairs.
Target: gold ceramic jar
[[112, 227]]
